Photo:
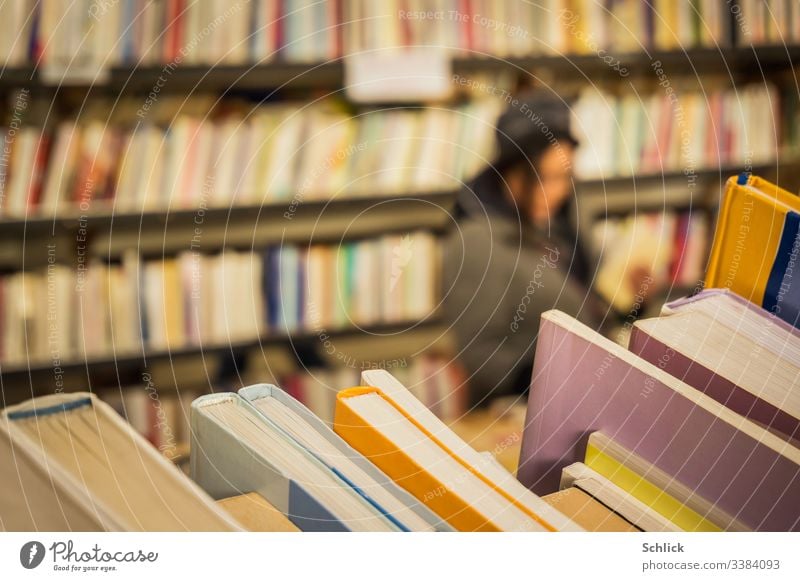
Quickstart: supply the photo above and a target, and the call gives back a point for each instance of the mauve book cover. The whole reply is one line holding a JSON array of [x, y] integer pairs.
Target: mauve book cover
[[583, 382]]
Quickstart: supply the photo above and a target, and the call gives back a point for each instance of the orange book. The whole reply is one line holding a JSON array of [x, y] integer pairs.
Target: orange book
[[456, 484]]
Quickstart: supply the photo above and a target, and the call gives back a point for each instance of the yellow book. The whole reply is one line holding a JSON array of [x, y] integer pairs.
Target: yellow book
[[756, 246], [655, 488], [665, 13], [173, 304], [403, 445]]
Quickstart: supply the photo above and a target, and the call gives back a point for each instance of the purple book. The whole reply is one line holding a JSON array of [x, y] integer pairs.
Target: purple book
[[731, 350], [583, 382]]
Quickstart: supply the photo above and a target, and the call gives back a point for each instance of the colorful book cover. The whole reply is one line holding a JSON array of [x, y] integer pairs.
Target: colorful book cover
[[756, 245], [583, 382]]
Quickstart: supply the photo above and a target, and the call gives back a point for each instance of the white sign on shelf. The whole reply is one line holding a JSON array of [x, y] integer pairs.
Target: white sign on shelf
[[66, 73], [398, 75]]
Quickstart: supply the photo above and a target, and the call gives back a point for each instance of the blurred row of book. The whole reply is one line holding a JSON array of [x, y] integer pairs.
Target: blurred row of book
[[682, 130], [103, 310], [197, 154], [194, 155], [93, 34]]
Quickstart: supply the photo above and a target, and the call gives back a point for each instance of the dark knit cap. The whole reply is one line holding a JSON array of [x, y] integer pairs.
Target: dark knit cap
[[529, 125]]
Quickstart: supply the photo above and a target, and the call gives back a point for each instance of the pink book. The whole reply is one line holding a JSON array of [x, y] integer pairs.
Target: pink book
[[583, 382]]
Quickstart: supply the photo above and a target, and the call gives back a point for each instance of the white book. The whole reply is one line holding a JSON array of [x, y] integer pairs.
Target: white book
[[580, 476], [80, 467]]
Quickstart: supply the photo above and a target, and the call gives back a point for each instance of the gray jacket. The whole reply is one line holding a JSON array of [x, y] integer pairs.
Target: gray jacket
[[499, 276]]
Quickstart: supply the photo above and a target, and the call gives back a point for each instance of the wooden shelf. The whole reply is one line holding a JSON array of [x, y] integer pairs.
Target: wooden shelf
[[107, 235], [105, 218], [679, 62], [653, 178], [274, 76], [140, 360], [330, 74]]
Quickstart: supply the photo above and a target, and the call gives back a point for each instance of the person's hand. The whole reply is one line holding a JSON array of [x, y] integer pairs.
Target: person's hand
[[641, 282]]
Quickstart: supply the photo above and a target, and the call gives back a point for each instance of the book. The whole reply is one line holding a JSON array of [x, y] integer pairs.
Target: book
[[437, 381], [583, 478], [655, 488], [207, 154], [79, 466], [256, 514], [667, 245], [587, 512], [321, 441], [733, 351], [236, 449], [406, 441], [736, 465], [772, 22], [302, 31], [757, 218]]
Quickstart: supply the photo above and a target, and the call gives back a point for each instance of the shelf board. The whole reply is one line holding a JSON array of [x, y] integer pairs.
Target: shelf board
[[19, 77], [16, 373], [330, 74], [257, 76], [155, 233], [678, 62], [650, 178]]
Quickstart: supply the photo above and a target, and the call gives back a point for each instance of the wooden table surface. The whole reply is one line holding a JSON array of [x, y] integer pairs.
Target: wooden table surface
[[500, 433]]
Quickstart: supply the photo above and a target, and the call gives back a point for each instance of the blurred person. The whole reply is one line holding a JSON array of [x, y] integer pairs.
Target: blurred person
[[514, 253]]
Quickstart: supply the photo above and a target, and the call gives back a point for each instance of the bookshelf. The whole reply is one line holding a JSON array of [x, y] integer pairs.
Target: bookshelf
[[155, 232], [644, 218]]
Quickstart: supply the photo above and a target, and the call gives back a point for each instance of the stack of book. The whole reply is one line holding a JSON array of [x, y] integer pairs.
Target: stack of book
[[174, 32], [670, 246], [369, 473], [652, 438], [676, 131], [103, 309], [240, 155], [695, 426]]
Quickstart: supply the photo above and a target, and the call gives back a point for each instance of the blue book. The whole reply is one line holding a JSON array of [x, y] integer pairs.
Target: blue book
[[310, 432], [272, 288], [236, 450]]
